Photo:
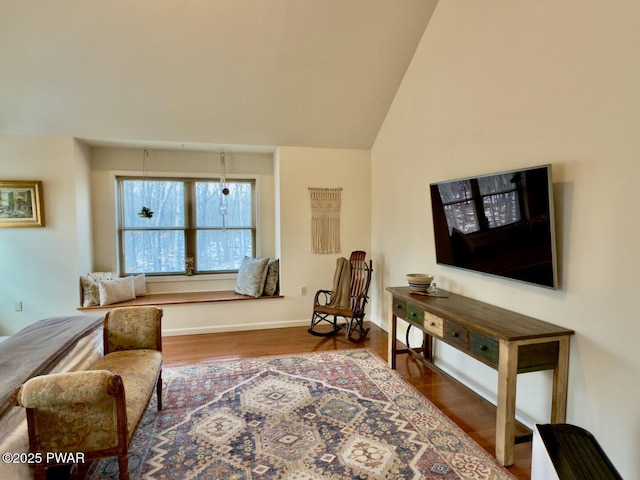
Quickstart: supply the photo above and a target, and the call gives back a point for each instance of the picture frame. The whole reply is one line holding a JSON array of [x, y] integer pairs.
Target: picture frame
[[21, 204]]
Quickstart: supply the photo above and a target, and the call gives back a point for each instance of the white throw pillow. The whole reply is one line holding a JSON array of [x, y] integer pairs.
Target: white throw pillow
[[140, 285], [115, 291]]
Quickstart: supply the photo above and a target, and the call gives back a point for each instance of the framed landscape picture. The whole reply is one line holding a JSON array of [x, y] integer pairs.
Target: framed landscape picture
[[21, 204]]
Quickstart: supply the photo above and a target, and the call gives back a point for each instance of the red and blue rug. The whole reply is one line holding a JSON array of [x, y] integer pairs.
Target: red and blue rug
[[327, 416]]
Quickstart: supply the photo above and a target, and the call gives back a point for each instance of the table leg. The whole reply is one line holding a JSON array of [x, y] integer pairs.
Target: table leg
[[506, 408], [393, 326], [427, 347], [560, 381]]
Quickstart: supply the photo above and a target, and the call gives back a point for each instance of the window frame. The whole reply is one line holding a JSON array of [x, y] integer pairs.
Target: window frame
[[190, 229]]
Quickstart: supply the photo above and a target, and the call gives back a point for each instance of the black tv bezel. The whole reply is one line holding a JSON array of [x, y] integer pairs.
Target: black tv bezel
[[552, 230]]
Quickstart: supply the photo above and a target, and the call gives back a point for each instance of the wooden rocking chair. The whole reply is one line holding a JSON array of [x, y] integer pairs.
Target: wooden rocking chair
[[346, 302]]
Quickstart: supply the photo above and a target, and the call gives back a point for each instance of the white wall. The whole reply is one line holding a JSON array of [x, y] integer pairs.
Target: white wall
[[499, 85], [297, 170], [84, 219], [40, 266]]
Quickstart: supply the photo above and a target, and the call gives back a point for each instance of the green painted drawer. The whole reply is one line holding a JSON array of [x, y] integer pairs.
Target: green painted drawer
[[415, 315], [485, 348]]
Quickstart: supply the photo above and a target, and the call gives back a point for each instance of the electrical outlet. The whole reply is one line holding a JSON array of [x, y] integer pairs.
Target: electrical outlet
[[17, 306], [303, 290]]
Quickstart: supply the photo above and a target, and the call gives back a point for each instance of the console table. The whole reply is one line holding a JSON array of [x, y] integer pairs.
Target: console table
[[507, 341]]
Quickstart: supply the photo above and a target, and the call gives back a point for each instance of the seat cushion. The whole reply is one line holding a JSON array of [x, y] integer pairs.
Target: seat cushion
[[139, 370], [325, 309]]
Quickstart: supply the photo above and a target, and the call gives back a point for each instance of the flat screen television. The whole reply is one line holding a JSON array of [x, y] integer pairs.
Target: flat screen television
[[499, 224]]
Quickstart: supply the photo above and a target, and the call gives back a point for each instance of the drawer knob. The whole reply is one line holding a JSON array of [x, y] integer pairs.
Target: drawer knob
[[413, 314], [433, 324], [455, 334], [483, 348]]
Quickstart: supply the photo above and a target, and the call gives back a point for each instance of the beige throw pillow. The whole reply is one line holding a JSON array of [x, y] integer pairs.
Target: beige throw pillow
[[116, 291], [140, 285]]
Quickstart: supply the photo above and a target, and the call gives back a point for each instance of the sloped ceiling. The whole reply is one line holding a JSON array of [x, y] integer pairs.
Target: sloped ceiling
[[319, 73]]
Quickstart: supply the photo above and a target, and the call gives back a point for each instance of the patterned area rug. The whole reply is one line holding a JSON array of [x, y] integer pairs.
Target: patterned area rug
[[327, 416]]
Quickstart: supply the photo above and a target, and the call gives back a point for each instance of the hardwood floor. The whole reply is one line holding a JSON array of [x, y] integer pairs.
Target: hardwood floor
[[473, 414]]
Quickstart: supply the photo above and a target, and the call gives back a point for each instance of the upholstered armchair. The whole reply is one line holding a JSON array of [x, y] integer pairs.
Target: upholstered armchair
[[97, 412], [134, 328], [75, 412]]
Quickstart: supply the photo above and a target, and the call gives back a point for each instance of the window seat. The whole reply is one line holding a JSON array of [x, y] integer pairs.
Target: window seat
[[182, 298]]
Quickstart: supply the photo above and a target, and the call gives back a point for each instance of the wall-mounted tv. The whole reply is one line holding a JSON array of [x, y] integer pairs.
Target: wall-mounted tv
[[499, 224]]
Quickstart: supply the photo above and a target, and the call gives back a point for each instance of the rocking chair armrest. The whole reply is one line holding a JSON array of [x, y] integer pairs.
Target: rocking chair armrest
[[326, 297]]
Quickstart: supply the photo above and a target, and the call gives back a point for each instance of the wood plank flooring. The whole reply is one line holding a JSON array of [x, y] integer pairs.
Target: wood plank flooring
[[474, 415]]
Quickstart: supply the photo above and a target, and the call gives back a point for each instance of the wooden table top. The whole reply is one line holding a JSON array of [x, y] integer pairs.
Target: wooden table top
[[482, 317]]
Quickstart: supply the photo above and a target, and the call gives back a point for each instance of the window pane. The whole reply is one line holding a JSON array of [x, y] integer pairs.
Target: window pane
[[501, 209], [212, 205], [497, 183], [151, 251], [222, 250], [500, 198], [164, 198], [458, 206], [461, 216], [455, 191]]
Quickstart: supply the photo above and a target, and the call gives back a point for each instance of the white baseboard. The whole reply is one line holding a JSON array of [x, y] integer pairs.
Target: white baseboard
[[173, 332]]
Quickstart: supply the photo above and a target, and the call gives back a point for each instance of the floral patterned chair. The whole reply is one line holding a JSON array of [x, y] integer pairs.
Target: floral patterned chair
[[96, 412]]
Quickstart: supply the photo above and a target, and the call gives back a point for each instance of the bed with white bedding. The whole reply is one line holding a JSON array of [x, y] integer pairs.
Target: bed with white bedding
[[53, 345]]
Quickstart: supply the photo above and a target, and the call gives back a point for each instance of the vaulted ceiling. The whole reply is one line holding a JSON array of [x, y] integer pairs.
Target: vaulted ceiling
[[319, 73]]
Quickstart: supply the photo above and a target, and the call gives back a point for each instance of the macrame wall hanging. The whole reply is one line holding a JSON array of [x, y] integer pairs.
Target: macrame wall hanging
[[325, 219]]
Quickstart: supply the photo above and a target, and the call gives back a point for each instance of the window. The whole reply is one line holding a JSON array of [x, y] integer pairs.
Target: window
[[191, 217], [483, 203]]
